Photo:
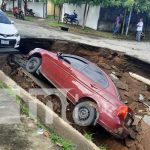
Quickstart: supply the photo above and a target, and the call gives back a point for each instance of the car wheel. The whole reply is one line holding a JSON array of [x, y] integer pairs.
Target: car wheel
[[84, 114], [33, 64]]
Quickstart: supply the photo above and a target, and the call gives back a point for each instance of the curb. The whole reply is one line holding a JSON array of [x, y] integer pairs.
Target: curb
[[59, 126]]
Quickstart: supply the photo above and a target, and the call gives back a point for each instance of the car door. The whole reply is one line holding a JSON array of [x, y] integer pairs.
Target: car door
[[74, 83], [84, 82], [54, 69]]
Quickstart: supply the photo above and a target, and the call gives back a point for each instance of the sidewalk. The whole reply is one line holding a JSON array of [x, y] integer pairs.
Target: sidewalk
[[19, 132], [132, 48]]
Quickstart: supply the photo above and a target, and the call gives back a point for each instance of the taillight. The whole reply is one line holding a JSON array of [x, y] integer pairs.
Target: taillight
[[122, 112]]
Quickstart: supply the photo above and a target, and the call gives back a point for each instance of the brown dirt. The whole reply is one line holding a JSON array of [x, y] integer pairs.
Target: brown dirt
[[110, 62]]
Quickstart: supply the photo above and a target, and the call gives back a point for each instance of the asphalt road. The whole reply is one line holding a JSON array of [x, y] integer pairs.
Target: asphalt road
[[140, 50]]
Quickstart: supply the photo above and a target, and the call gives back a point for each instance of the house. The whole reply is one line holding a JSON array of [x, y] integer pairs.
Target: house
[[40, 8], [103, 19]]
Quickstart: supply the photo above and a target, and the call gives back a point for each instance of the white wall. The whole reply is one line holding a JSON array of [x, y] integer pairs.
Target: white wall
[[37, 7], [70, 8], [93, 15]]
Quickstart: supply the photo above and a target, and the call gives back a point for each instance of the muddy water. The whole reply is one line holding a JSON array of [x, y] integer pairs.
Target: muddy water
[[110, 62]]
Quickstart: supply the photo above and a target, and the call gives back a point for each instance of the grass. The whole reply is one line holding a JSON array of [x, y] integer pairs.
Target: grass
[[56, 24], [102, 147], [88, 136], [66, 145], [56, 139]]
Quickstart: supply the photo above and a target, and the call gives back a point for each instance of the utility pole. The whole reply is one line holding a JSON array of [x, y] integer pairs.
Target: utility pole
[[19, 4]]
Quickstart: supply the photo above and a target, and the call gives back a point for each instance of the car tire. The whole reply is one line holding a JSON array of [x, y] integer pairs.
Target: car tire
[[84, 113], [33, 64]]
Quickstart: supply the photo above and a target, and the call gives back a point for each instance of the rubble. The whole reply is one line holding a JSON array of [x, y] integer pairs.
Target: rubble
[[129, 88], [140, 78], [141, 98]]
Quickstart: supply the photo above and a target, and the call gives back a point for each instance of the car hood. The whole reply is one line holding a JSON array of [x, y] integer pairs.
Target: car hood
[[7, 29]]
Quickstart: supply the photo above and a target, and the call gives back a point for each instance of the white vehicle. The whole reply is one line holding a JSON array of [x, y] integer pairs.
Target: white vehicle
[[9, 36]]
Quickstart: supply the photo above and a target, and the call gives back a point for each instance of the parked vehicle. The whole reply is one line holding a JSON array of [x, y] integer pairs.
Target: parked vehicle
[[29, 12], [18, 13], [90, 89], [71, 18], [3, 7], [9, 36]]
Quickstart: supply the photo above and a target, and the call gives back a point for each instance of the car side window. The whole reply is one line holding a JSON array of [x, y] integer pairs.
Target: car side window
[[75, 63], [96, 75], [4, 19]]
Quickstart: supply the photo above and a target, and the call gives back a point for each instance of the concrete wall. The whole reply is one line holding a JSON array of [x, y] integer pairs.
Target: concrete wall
[[93, 15], [39, 8], [50, 9]]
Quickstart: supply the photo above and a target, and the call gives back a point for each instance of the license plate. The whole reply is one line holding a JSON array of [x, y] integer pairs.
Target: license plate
[[4, 42]]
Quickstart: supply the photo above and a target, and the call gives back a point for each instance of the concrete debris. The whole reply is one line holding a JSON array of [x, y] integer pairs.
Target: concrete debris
[[115, 68], [122, 86], [125, 102], [113, 77], [137, 119], [140, 78], [40, 131], [147, 103], [119, 84], [117, 73], [141, 98], [146, 119]]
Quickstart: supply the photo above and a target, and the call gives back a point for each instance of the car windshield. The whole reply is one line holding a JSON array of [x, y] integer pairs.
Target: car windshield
[[95, 74], [4, 19], [75, 62]]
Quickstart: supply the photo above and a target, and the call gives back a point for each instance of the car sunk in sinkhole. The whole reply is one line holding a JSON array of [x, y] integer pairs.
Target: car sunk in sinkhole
[[89, 88]]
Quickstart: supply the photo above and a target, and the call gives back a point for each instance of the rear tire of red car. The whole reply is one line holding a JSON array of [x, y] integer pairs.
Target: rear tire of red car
[[33, 64], [84, 114]]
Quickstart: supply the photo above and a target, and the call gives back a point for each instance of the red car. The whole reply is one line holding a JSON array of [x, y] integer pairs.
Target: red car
[[90, 89]]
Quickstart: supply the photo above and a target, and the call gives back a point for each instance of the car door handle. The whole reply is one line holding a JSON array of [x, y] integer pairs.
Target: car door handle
[[93, 86]]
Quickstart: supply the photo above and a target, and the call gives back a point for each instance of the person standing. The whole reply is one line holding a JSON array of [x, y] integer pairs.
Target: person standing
[[139, 30], [117, 25]]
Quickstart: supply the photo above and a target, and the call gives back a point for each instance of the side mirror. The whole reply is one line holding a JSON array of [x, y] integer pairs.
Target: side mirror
[[12, 22], [59, 54]]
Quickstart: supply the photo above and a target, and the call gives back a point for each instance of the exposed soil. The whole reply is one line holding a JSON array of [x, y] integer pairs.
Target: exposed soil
[[129, 89]]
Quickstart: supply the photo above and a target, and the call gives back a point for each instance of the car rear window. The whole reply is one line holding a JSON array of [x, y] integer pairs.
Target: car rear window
[[4, 19], [75, 63], [95, 74]]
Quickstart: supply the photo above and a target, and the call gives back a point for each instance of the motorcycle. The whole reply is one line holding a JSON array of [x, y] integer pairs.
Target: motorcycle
[[29, 12], [18, 13], [3, 7], [71, 18]]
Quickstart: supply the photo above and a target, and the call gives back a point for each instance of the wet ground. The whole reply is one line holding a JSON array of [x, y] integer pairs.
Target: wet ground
[[129, 88]]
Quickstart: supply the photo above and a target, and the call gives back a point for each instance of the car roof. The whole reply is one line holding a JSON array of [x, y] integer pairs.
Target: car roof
[[76, 57]]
